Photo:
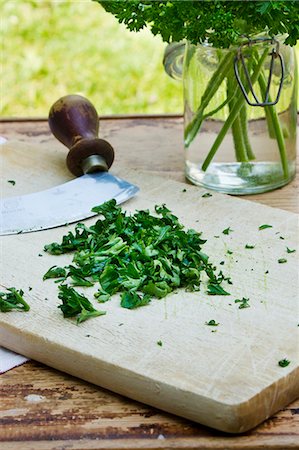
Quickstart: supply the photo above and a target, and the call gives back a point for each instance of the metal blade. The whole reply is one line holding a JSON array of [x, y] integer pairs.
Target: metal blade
[[62, 204]]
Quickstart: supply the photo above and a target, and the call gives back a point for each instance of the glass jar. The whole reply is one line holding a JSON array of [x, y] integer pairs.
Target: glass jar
[[240, 115]]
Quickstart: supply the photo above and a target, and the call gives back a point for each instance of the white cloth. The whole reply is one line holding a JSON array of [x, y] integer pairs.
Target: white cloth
[[9, 360]]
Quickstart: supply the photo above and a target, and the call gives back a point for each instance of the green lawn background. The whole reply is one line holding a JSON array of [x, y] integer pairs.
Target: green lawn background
[[50, 48], [53, 48]]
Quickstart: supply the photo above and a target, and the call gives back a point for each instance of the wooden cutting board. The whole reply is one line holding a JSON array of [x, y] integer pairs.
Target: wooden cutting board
[[229, 379]]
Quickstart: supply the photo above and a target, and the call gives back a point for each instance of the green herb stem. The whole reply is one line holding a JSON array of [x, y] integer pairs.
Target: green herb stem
[[211, 89], [274, 126], [244, 127], [233, 114]]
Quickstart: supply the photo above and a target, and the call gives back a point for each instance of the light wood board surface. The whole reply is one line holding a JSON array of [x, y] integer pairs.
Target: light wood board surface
[[229, 379]]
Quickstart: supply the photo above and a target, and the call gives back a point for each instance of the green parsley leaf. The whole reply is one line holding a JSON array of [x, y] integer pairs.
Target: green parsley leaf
[[76, 305], [229, 252], [243, 303], [249, 246], [206, 195], [212, 323], [12, 182], [13, 300], [227, 231], [215, 289], [282, 260], [284, 362], [290, 251], [263, 227], [55, 272], [160, 343], [132, 300]]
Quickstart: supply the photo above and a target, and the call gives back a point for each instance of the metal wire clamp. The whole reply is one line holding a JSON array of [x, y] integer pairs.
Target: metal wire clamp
[[241, 58]]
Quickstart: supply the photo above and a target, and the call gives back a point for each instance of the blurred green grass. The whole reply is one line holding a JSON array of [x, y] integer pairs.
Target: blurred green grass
[[53, 48]]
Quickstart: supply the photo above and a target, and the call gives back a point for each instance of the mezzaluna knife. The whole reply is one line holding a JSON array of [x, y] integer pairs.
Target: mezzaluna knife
[[74, 121]]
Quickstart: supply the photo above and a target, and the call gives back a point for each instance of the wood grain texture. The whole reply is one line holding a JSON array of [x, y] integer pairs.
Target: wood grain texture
[[283, 437], [42, 408]]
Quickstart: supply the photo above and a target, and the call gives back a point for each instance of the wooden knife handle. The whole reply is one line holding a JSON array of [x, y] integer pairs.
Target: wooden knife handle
[[74, 121]]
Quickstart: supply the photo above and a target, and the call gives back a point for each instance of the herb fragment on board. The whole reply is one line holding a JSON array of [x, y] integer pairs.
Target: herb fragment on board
[[249, 246], [290, 251], [282, 260], [215, 289], [160, 343], [229, 252], [263, 227], [206, 195], [12, 182], [243, 303], [55, 272], [212, 323], [284, 362], [13, 300], [227, 231], [141, 256], [76, 305]]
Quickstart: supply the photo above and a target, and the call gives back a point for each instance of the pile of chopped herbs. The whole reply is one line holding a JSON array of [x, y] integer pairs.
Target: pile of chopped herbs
[[141, 256], [13, 300]]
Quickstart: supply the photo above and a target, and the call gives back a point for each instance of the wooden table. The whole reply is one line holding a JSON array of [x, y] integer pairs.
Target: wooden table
[[42, 408]]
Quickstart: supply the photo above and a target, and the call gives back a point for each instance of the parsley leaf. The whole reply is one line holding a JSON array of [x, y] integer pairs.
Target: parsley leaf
[[206, 195], [290, 251], [227, 230], [13, 300], [212, 323], [243, 303], [76, 305], [263, 227], [12, 182], [284, 362], [55, 272], [282, 260], [215, 289], [249, 246]]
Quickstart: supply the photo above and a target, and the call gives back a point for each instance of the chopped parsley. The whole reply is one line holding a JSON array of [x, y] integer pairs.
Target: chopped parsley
[[13, 300], [216, 289], [76, 305], [243, 303], [284, 362], [55, 272], [141, 256], [263, 227], [12, 182], [227, 230], [282, 260], [160, 343], [249, 246], [229, 252], [206, 195], [212, 323], [290, 251]]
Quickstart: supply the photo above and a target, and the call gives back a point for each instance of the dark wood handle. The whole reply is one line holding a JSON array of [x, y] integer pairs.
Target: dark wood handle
[[74, 121]]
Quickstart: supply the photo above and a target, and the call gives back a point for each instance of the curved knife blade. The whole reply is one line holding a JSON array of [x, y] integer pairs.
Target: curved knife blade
[[66, 203]]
